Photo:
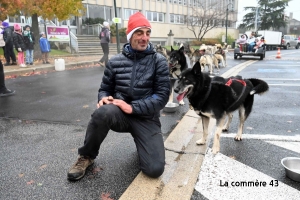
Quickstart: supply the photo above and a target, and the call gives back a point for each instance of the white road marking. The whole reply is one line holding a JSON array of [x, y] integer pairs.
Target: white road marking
[[219, 170], [285, 84], [293, 146], [237, 69], [281, 79], [294, 138]]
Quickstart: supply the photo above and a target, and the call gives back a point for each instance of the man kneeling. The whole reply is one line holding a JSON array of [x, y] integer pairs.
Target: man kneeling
[[134, 88]]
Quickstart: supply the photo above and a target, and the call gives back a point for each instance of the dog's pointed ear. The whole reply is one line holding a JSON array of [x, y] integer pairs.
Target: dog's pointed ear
[[172, 48], [197, 68], [181, 49]]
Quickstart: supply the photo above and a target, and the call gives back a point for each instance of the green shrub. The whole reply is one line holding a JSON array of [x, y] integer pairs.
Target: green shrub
[[113, 30], [210, 41], [196, 43], [230, 39]]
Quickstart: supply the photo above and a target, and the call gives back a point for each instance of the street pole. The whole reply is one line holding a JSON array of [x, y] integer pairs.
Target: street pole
[[117, 31], [226, 22]]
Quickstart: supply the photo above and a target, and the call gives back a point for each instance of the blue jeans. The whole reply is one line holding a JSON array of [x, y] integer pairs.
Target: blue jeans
[[250, 47], [29, 56]]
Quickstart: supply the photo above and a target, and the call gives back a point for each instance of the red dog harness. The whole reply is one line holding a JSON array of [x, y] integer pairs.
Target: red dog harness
[[229, 82]]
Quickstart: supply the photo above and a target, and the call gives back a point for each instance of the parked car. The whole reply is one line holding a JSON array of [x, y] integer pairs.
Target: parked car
[[288, 41]]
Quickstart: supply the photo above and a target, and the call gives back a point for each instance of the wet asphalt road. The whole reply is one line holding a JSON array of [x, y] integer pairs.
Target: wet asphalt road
[[275, 115], [42, 126]]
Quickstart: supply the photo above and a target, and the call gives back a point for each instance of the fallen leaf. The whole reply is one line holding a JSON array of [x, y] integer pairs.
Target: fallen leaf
[[43, 92], [289, 131], [43, 166], [30, 182], [96, 170], [39, 184], [232, 157], [163, 114], [73, 150], [105, 196], [21, 175], [249, 128], [78, 120], [85, 106], [289, 121]]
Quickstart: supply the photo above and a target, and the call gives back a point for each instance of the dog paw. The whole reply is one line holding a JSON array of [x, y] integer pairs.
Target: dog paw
[[215, 150], [224, 130], [237, 138], [181, 103], [200, 142]]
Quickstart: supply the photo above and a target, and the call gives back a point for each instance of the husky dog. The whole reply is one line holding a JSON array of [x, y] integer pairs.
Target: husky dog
[[206, 60], [218, 59], [177, 63], [218, 98], [222, 51], [161, 50]]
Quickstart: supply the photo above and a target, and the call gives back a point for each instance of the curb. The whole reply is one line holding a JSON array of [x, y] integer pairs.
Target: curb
[[183, 159], [183, 164], [45, 68]]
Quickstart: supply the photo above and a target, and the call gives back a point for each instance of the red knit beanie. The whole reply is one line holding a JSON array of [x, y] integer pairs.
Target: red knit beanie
[[136, 21]]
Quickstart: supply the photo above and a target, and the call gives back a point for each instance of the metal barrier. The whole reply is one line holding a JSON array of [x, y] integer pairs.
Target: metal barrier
[[93, 29]]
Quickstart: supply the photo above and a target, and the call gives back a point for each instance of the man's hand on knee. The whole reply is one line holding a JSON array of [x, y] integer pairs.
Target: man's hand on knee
[[125, 107], [105, 100]]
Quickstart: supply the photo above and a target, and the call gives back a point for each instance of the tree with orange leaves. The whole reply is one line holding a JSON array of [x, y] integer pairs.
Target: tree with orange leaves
[[47, 9]]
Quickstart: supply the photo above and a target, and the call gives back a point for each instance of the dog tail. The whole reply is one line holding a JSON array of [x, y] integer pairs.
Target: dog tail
[[259, 86]]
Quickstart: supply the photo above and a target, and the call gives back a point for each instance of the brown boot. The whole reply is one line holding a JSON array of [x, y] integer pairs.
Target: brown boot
[[77, 171]]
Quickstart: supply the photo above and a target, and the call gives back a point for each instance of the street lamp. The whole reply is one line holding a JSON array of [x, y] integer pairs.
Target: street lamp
[[117, 31], [226, 22]]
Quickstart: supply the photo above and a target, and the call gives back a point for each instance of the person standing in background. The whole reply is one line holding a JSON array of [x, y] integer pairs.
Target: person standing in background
[[45, 48], [2, 43], [9, 44], [29, 42], [19, 43], [3, 90], [104, 37]]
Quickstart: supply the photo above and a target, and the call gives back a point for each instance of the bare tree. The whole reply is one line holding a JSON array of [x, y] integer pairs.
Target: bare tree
[[205, 17]]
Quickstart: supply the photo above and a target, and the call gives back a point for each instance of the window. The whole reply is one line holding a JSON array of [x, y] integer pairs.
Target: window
[[176, 19], [128, 13], [155, 16]]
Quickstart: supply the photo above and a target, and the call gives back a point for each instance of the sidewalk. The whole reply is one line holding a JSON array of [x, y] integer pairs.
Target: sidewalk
[[38, 66]]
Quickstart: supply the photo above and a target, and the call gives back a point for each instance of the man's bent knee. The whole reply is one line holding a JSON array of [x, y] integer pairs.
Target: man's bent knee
[[155, 170], [105, 112]]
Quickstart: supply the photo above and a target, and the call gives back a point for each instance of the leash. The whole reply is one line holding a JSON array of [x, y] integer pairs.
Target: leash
[[229, 82], [205, 97]]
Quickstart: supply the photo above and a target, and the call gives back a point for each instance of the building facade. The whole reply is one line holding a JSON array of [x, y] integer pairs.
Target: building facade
[[166, 15]]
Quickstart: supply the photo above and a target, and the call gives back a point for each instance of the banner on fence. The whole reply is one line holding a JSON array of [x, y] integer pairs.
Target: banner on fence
[[59, 34]]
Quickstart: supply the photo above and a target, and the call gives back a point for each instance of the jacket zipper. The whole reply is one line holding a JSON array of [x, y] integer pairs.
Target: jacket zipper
[[133, 76]]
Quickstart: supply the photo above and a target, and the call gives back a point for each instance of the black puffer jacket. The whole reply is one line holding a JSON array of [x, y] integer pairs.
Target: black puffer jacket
[[19, 41], [139, 78]]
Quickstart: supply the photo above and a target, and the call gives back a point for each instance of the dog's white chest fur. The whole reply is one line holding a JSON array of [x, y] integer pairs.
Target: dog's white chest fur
[[198, 112]]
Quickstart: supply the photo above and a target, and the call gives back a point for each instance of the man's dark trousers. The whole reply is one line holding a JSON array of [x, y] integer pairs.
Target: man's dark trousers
[[2, 84], [146, 133], [9, 53]]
